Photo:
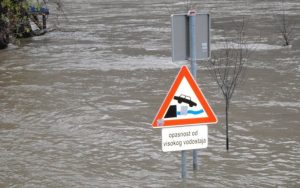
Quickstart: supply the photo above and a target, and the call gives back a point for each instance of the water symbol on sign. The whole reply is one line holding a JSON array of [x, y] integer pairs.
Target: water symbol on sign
[[184, 109]]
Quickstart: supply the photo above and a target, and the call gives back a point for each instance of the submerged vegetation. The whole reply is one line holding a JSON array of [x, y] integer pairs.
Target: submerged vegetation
[[15, 20], [16, 17], [285, 25]]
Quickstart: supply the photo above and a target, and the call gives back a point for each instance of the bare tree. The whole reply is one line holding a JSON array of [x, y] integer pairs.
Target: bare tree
[[60, 13], [285, 25], [227, 66]]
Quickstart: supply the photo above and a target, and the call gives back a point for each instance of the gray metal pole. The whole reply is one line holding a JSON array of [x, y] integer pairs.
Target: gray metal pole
[[183, 164], [192, 34]]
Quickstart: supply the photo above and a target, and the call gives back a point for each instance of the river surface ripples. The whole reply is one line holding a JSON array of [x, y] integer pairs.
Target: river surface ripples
[[76, 104]]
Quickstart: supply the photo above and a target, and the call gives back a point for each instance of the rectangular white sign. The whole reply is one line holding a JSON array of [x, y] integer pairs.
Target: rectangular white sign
[[184, 138]]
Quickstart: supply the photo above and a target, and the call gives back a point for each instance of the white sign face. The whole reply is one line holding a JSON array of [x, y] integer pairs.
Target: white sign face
[[184, 138], [186, 103]]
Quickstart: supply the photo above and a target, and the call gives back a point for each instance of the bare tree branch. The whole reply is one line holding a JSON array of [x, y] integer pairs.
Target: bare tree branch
[[285, 25], [227, 65]]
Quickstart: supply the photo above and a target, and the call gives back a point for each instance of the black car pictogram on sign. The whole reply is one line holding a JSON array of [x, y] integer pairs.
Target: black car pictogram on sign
[[186, 99]]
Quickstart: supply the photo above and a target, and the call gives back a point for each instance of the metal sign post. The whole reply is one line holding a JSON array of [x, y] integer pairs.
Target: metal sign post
[[192, 49], [190, 41], [192, 38], [183, 164], [192, 30]]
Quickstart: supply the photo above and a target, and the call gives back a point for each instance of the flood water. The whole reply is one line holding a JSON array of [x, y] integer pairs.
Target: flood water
[[76, 104]]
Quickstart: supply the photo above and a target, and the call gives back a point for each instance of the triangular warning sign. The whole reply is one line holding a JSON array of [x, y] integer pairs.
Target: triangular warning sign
[[184, 104]]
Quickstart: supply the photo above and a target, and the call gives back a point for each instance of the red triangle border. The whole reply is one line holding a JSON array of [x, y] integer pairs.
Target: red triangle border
[[211, 117]]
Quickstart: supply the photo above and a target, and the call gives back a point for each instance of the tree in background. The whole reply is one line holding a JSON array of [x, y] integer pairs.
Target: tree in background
[[285, 25], [4, 31], [227, 66], [16, 15]]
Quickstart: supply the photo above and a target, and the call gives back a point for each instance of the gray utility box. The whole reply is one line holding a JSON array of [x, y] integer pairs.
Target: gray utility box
[[181, 38]]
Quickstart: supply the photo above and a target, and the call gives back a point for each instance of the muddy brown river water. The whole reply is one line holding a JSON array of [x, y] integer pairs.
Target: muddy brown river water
[[76, 104]]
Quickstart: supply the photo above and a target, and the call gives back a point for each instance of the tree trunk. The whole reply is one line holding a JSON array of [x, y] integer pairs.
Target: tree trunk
[[4, 37], [226, 110]]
